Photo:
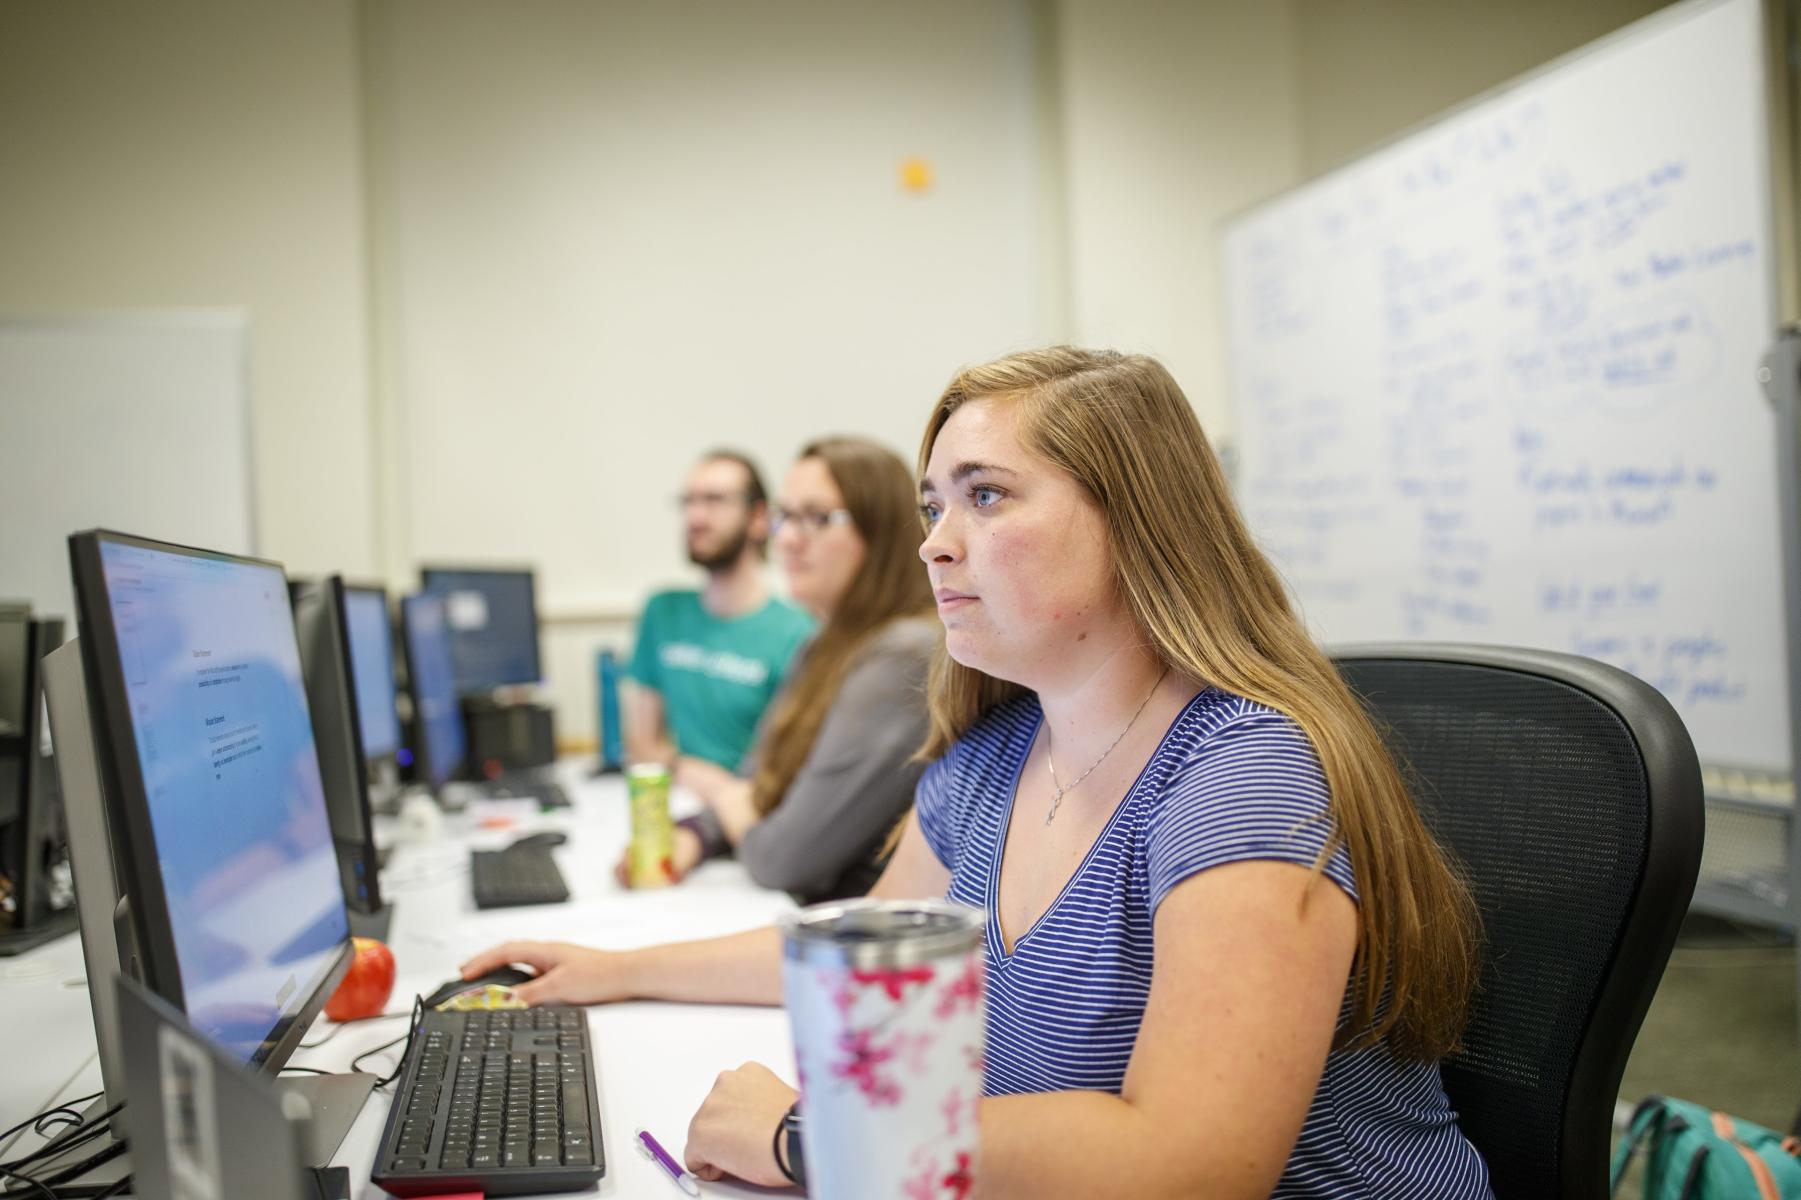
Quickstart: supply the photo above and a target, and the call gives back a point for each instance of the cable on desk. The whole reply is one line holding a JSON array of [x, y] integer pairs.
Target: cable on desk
[[418, 1015], [69, 1139], [35, 1188], [12, 1135], [42, 1186], [65, 1112], [339, 1028]]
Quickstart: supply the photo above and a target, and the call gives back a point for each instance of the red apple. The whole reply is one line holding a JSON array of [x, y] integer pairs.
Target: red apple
[[367, 984]]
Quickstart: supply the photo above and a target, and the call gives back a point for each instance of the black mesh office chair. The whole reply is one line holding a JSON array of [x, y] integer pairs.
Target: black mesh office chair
[[1570, 794]]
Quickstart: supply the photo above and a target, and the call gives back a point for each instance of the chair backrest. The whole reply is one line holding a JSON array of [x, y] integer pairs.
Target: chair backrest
[[1569, 793]]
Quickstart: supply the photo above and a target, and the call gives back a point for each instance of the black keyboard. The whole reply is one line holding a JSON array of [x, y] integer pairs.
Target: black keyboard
[[494, 1101], [515, 876], [544, 793]]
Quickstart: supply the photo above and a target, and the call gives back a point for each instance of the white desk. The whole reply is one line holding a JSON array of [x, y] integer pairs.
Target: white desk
[[655, 1062]]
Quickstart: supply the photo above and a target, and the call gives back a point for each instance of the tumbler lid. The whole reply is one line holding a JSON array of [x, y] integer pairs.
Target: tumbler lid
[[880, 933]]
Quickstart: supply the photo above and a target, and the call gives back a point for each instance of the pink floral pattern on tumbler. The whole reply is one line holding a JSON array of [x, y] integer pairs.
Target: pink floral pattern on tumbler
[[886, 1002]]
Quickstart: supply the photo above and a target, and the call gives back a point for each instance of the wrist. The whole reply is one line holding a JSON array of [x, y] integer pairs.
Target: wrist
[[635, 974]]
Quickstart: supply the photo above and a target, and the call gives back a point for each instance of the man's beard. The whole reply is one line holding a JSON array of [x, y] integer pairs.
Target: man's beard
[[726, 555]]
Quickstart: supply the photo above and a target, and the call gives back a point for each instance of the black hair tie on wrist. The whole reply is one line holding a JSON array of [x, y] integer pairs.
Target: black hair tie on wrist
[[795, 1169]]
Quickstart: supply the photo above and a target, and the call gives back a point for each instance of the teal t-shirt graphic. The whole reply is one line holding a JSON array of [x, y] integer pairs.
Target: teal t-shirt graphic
[[716, 675]]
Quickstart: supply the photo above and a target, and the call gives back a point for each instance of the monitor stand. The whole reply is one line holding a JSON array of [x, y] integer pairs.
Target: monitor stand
[[333, 1102], [371, 925]]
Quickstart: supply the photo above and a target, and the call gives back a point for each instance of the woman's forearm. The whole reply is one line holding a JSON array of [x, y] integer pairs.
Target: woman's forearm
[[736, 811], [1081, 1144], [740, 968]]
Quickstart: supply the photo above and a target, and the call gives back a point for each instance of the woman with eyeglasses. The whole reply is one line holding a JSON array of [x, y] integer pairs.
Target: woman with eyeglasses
[[830, 774]]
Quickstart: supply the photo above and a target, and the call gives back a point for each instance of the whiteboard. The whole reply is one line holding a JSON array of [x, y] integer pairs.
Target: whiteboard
[[1496, 382], [135, 422]]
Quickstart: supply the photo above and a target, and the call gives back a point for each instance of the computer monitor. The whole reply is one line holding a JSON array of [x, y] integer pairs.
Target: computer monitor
[[372, 667], [37, 898], [322, 624], [210, 786], [439, 740], [493, 620]]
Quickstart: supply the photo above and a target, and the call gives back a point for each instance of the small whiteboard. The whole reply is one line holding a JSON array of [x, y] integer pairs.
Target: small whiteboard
[[1496, 381], [134, 422]]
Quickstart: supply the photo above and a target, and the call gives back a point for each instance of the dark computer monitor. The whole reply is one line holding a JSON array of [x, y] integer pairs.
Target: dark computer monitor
[[209, 781], [37, 899], [492, 616], [372, 667], [322, 624], [439, 741]]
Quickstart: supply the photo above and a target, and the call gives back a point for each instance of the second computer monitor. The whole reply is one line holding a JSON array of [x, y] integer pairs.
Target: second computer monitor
[[321, 623], [372, 665], [439, 741], [492, 617]]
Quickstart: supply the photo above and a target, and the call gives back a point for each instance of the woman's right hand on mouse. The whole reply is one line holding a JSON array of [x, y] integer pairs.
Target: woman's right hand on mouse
[[684, 857], [567, 973]]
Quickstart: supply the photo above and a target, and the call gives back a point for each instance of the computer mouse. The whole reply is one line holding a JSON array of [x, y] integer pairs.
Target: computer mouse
[[503, 976], [549, 837]]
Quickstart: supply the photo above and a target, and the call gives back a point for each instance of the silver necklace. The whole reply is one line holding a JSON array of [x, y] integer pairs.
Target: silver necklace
[[1057, 795]]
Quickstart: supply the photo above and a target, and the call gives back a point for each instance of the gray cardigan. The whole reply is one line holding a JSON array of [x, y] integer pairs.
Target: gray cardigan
[[823, 841]]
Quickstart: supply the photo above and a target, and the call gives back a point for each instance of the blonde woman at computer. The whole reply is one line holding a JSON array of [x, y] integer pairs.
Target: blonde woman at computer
[[1224, 954], [832, 771]]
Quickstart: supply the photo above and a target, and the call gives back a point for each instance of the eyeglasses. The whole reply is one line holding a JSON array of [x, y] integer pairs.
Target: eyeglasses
[[807, 522], [711, 499]]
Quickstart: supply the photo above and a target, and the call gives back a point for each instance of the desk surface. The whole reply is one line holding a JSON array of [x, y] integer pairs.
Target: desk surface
[[655, 1062]]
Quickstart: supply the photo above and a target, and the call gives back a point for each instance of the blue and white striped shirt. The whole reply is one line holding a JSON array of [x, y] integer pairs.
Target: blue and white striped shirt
[[1232, 781]]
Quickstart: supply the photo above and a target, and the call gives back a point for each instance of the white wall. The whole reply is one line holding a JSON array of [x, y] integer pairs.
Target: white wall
[[615, 235], [207, 154], [1369, 70], [620, 233], [1175, 117]]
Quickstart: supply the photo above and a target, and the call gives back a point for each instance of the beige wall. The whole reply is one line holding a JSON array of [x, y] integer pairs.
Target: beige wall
[[614, 235], [1175, 116], [1368, 70], [206, 154]]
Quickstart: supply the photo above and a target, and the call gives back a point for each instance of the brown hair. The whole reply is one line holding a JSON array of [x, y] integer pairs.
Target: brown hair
[[755, 495], [883, 501], [1212, 607]]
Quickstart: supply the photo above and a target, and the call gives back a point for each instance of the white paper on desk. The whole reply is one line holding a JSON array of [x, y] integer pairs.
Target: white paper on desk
[[516, 809]]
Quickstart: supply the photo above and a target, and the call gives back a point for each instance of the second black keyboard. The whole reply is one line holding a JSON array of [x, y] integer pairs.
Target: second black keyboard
[[501, 1102], [515, 876]]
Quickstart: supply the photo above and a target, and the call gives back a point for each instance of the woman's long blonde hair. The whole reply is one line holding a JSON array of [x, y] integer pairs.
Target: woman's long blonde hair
[[883, 500], [1211, 607]]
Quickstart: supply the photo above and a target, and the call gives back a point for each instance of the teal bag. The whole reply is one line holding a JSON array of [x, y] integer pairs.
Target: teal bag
[[1697, 1154]]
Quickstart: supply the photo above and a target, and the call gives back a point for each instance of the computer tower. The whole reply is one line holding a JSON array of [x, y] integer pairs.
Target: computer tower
[[37, 894], [508, 737]]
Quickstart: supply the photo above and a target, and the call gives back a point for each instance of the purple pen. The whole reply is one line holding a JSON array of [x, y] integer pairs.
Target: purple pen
[[649, 1148]]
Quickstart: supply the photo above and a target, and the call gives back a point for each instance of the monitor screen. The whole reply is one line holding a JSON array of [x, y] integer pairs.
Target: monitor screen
[[493, 619], [372, 663], [438, 717], [221, 751]]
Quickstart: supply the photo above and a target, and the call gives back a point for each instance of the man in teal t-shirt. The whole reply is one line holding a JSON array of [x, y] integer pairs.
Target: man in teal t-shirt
[[708, 662]]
